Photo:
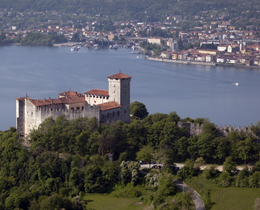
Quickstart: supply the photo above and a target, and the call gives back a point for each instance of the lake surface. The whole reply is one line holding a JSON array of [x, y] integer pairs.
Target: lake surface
[[190, 90]]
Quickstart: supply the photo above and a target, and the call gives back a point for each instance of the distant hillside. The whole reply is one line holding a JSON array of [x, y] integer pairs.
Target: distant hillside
[[139, 9]]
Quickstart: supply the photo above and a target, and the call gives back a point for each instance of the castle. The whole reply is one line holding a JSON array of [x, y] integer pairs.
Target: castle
[[107, 106]]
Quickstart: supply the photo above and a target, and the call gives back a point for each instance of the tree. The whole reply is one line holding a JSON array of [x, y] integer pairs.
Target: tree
[[180, 44], [199, 162], [205, 146], [245, 149], [196, 44], [145, 154], [75, 38], [187, 200], [138, 109], [221, 147], [229, 165]]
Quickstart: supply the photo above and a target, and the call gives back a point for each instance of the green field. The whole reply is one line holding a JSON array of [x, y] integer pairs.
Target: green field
[[233, 198], [106, 202], [229, 198]]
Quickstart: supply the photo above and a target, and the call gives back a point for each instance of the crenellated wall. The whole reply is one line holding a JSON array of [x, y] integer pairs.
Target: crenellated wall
[[96, 99], [196, 129], [30, 116]]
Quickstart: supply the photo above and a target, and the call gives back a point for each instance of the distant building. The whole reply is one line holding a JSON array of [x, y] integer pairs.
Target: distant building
[[154, 40]]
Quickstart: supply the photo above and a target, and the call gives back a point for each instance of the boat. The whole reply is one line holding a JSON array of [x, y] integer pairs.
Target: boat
[[115, 47], [96, 47], [236, 83], [74, 48], [110, 46], [134, 51]]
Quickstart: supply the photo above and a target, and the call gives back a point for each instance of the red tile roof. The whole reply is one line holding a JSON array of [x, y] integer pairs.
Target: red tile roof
[[70, 93], [64, 100], [109, 105], [119, 76], [98, 92]]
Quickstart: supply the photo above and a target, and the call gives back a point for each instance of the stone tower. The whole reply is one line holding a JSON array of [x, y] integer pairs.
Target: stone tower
[[119, 91]]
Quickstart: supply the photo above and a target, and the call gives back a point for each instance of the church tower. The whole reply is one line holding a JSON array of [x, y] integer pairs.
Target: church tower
[[119, 91]]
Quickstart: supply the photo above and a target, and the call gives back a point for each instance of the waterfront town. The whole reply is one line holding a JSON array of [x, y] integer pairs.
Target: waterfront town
[[213, 42]]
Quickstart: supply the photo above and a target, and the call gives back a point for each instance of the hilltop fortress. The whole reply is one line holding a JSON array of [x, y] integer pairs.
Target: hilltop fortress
[[107, 106]]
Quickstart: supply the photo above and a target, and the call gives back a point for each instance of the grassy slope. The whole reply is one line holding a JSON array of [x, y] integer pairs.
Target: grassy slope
[[106, 202], [234, 198]]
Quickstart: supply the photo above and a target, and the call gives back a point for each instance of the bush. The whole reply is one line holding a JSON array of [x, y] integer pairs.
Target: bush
[[210, 172], [129, 191], [225, 179]]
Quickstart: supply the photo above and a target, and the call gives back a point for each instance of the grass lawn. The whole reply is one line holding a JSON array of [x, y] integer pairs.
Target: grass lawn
[[106, 202], [232, 198]]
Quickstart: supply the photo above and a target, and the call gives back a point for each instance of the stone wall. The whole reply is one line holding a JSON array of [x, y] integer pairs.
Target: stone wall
[[196, 129], [110, 116]]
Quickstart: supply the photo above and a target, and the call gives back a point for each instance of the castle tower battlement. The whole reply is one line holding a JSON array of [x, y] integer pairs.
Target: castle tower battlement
[[107, 106]]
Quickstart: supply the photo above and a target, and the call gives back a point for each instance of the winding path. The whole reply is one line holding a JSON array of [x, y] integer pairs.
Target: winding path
[[199, 205]]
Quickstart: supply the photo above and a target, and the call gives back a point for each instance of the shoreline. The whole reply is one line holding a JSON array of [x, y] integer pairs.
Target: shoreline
[[200, 63], [70, 44]]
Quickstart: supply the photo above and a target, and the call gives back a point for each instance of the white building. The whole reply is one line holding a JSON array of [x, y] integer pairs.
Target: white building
[[107, 106]]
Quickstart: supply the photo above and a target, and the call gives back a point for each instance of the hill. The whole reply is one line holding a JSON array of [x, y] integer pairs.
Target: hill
[[149, 10]]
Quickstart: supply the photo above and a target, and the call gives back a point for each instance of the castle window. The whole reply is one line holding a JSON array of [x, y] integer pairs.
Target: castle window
[[83, 108], [51, 109], [125, 111], [77, 108], [72, 109], [107, 115], [118, 113]]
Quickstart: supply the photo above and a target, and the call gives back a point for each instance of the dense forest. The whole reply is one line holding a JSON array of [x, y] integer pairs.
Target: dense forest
[[149, 10], [33, 39], [68, 159]]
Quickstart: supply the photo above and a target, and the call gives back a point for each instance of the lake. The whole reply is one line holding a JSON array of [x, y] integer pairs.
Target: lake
[[190, 90]]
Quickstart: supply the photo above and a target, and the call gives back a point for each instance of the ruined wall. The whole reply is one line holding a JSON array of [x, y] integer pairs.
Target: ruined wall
[[197, 129]]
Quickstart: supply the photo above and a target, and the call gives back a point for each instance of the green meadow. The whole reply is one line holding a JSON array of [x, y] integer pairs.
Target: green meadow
[[106, 202], [233, 198]]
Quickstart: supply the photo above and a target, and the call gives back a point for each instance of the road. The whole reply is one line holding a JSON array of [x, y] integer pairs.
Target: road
[[180, 165], [199, 205]]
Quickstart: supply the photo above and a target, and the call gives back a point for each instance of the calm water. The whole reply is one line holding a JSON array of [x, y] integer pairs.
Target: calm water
[[194, 91]]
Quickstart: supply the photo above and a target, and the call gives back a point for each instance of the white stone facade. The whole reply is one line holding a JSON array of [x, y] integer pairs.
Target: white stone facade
[[107, 106]]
